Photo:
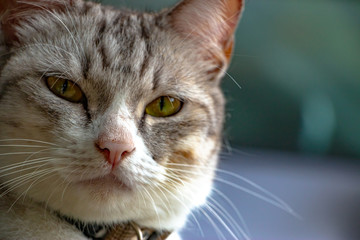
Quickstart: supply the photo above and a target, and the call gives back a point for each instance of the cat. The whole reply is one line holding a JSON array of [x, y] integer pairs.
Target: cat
[[109, 117]]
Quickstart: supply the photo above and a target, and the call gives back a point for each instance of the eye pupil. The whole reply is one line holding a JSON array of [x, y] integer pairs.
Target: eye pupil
[[162, 103], [64, 86]]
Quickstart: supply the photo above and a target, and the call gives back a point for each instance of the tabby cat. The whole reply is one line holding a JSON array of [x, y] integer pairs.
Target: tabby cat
[[109, 117]]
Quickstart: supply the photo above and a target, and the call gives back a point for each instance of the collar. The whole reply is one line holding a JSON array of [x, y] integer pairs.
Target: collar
[[127, 231], [132, 231]]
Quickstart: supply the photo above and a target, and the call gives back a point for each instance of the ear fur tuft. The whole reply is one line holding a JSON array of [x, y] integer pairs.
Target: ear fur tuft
[[14, 12], [211, 23]]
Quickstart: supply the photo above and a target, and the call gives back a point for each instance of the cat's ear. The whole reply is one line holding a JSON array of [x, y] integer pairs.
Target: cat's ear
[[211, 23], [14, 13]]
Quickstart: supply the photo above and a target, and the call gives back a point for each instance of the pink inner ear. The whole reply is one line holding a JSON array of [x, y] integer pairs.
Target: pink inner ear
[[13, 12], [210, 21], [233, 10]]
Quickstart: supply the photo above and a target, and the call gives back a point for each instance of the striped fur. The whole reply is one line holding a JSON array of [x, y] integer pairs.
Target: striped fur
[[122, 60]]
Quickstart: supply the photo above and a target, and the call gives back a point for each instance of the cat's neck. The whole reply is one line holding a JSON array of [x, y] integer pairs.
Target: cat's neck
[[124, 231]]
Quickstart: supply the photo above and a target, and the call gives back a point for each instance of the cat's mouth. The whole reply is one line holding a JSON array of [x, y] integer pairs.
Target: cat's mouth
[[107, 182]]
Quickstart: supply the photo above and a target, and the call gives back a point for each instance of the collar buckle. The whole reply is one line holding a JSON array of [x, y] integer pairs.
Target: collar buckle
[[137, 230], [132, 231]]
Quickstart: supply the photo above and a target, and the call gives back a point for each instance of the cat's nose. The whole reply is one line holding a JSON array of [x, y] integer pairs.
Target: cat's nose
[[115, 152]]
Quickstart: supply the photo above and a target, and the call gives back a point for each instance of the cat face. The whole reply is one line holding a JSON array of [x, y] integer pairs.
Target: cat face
[[108, 116]]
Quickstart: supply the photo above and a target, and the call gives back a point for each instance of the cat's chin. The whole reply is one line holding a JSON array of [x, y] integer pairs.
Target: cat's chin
[[108, 200], [106, 183], [117, 204]]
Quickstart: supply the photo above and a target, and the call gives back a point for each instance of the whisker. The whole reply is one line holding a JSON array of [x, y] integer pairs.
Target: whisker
[[16, 179], [217, 229], [266, 199], [66, 140], [153, 204], [142, 195], [15, 153], [67, 185], [232, 78], [228, 218], [275, 201], [27, 140], [51, 194], [32, 184], [279, 201], [25, 169], [245, 230], [231, 150], [83, 173], [20, 181], [165, 197], [245, 55], [44, 150], [23, 163], [214, 210], [24, 175], [224, 213], [25, 146], [186, 207]]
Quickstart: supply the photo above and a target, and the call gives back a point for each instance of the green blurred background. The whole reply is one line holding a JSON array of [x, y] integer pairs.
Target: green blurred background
[[298, 65]]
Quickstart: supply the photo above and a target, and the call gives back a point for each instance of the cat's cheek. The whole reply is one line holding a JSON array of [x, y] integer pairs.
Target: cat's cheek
[[194, 150], [193, 167]]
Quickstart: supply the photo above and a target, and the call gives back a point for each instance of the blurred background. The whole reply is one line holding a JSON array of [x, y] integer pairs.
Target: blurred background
[[292, 128]]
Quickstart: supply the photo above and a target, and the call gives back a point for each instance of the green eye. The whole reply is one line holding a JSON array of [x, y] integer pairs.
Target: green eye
[[65, 89], [164, 107]]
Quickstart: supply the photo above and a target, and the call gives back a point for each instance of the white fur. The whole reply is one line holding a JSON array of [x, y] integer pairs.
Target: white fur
[[62, 170]]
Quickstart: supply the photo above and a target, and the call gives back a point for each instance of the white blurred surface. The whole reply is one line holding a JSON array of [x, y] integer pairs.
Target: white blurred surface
[[325, 193]]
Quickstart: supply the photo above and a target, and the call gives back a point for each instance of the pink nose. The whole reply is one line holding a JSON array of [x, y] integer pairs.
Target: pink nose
[[115, 152]]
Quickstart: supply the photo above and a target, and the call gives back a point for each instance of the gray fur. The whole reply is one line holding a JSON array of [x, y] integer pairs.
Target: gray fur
[[118, 58]]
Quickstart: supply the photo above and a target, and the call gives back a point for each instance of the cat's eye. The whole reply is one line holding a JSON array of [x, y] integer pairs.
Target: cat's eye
[[164, 106], [65, 89]]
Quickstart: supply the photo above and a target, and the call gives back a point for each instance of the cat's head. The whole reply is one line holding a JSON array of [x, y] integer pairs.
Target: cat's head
[[108, 115]]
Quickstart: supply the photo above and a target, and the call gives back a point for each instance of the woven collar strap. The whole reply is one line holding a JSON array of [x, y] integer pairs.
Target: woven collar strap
[[132, 231], [127, 231]]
